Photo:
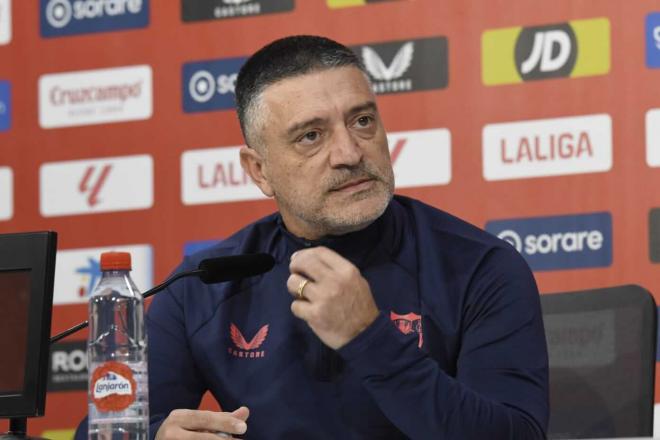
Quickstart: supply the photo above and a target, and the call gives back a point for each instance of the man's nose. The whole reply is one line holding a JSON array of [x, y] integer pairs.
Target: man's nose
[[345, 149]]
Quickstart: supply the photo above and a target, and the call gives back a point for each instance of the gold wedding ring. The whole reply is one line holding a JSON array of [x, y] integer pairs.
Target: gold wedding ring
[[301, 287]]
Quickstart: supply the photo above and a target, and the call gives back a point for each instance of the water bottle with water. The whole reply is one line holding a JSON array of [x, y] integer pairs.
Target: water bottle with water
[[118, 395]]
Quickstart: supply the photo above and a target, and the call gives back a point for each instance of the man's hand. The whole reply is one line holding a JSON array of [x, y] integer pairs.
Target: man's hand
[[337, 302], [202, 425]]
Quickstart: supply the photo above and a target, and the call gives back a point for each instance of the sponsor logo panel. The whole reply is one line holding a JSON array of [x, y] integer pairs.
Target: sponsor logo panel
[[5, 105], [70, 17], [6, 193], [96, 185], [559, 242], [572, 49], [95, 96], [209, 85], [5, 21], [191, 247], [406, 65], [653, 137], [215, 175], [334, 4], [68, 366], [653, 40], [196, 10], [78, 271], [547, 147], [581, 339], [421, 157]]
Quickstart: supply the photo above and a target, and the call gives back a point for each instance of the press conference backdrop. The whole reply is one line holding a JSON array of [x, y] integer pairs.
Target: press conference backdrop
[[539, 121]]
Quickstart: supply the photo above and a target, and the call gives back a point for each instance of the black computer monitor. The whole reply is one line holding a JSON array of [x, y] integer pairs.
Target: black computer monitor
[[27, 271]]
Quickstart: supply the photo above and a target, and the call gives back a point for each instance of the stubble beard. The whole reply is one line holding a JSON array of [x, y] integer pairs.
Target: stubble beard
[[334, 215]]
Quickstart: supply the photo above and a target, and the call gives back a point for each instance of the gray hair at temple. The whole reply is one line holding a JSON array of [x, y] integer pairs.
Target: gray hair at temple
[[281, 59]]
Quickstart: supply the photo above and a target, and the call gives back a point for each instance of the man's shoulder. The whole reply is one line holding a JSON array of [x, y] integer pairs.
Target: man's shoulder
[[434, 223]]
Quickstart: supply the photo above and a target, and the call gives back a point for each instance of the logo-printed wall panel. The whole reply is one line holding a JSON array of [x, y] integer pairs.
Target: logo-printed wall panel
[[538, 121]]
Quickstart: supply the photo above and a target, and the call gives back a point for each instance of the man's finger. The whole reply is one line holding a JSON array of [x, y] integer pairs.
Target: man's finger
[[301, 309], [195, 420], [308, 264], [295, 282]]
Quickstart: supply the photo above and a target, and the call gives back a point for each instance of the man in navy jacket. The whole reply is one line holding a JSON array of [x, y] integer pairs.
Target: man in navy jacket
[[383, 318]]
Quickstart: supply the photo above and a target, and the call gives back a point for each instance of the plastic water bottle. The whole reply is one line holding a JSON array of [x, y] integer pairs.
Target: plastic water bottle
[[118, 395]]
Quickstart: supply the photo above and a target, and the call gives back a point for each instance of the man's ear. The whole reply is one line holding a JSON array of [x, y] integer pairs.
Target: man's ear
[[254, 165]]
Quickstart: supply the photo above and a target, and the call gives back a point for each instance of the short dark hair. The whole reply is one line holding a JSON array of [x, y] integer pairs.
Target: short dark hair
[[285, 58]]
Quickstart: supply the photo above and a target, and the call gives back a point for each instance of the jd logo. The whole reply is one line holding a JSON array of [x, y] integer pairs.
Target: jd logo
[[546, 52], [572, 49]]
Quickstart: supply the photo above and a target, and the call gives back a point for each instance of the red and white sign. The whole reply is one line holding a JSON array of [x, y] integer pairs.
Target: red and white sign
[[78, 271], [5, 21], [547, 147], [421, 157], [95, 96], [6, 193], [96, 185], [214, 175], [653, 137]]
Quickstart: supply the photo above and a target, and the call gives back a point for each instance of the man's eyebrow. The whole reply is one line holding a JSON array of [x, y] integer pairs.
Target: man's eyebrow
[[304, 124], [369, 105]]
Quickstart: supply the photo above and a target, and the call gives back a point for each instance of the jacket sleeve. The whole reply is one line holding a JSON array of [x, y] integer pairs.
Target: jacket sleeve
[[175, 382], [500, 389]]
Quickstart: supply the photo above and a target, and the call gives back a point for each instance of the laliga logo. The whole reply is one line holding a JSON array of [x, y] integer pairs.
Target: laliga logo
[[202, 85], [400, 64], [60, 12], [656, 36], [544, 49]]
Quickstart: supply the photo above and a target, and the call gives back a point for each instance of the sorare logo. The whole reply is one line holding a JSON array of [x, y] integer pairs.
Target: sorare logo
[[5, 105], [653, 40], [406, 65], [196, 10], [209, 85], [572, 49], [58, 18], [559, 242]]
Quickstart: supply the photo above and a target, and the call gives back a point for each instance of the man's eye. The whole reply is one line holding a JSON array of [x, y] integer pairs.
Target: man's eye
[[364, 121], [310, 137]]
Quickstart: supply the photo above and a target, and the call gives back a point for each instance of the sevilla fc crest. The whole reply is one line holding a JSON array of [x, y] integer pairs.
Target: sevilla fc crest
[[409, 323]]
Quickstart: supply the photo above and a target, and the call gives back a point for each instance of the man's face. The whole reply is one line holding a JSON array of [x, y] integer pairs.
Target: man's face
[[324, 154]]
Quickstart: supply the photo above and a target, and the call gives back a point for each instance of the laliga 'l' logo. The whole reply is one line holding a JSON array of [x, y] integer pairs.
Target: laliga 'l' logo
[[58, 13], [512, 238], [399, 65]]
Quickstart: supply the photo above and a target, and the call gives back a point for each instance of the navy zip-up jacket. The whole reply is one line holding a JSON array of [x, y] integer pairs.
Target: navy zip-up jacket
[[457, 352]]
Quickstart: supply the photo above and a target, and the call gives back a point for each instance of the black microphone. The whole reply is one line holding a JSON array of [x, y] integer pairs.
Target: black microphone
[[209, 271]]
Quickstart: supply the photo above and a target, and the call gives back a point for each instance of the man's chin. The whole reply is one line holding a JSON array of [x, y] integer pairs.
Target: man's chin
[[356, 215]]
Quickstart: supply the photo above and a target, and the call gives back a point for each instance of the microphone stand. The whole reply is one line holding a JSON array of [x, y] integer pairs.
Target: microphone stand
[[145, 295]]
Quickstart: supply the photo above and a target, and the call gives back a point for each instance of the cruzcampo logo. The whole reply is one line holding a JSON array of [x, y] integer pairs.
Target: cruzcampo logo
[[564, 50], [333, 4]]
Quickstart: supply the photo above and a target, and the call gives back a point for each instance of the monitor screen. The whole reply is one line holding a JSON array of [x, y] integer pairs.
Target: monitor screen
[[27, 271], [15, 302]]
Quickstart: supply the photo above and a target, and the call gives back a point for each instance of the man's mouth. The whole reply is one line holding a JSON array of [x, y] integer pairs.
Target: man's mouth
[[355, 185]]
